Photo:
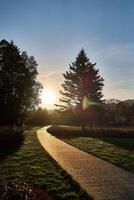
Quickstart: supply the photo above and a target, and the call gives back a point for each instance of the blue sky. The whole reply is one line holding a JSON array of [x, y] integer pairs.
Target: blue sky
[[54, 31]]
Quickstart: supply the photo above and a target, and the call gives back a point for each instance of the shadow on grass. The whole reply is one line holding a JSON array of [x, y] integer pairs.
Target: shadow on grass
[[125, 143], [120, 137], [10, 142]]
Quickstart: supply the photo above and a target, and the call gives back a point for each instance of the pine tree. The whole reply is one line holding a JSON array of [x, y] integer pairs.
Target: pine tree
[[82, 87]]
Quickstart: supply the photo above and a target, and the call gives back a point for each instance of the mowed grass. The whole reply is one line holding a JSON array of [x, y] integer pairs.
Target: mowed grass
[[113, 145], [32, 164]]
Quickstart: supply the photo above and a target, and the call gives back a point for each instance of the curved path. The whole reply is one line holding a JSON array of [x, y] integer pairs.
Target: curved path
[[99, 178]]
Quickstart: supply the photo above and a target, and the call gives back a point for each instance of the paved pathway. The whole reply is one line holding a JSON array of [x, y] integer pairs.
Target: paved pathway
[[99, 178]]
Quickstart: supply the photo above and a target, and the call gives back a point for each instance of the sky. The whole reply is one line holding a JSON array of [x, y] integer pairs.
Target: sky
[[54, 31]]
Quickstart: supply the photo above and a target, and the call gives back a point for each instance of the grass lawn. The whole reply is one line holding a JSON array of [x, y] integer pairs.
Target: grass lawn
[[32, 164], [114, 146]]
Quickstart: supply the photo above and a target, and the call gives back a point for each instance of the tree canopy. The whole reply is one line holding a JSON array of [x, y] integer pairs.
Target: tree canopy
[[19, 88], [39, 117], [82, 87]]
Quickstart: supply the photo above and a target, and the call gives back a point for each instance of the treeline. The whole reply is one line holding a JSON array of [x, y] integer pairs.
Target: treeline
[[43, 117], [81, 100], [112, 113], [119, 112], [38, 117]]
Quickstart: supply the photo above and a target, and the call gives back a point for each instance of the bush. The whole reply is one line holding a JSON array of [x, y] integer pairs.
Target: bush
[[10, 141], [75, 131], [11, 137]]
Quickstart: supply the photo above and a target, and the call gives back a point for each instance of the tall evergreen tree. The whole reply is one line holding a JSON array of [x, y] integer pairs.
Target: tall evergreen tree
[[19, 89], [82, 87]]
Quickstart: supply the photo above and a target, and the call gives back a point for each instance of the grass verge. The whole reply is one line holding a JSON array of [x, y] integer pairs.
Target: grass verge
[[113, 145], [32, 164]]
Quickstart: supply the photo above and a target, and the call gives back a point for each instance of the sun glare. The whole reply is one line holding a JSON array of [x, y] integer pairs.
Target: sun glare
[[48, 97]]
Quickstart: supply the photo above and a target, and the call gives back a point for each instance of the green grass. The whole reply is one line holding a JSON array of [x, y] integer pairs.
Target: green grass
[[32, 164], [118, 150]]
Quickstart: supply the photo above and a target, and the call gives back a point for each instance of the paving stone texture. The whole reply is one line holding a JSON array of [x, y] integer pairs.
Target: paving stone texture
[[102, 180]]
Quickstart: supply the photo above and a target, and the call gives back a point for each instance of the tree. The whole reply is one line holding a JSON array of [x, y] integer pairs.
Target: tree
[[40, 117], [111, 111], [124, 113], [19, 89], [66, 117], [82, 88]]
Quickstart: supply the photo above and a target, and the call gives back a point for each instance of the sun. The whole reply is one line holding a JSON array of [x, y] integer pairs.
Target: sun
[[47, 97]]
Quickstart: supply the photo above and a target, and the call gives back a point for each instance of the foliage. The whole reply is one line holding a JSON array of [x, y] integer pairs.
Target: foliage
[[63, 131], [119, 112], [10, 140], [125, 113], [82, 88], [10, 137], [19, 89], [39, 117], [64, 117]]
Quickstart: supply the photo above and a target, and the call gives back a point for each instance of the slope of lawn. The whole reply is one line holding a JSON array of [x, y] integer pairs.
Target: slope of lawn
[[32, 164], [113, 145]]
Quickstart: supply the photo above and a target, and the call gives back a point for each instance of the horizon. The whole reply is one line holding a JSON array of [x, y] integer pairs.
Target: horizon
[[55, 31]]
